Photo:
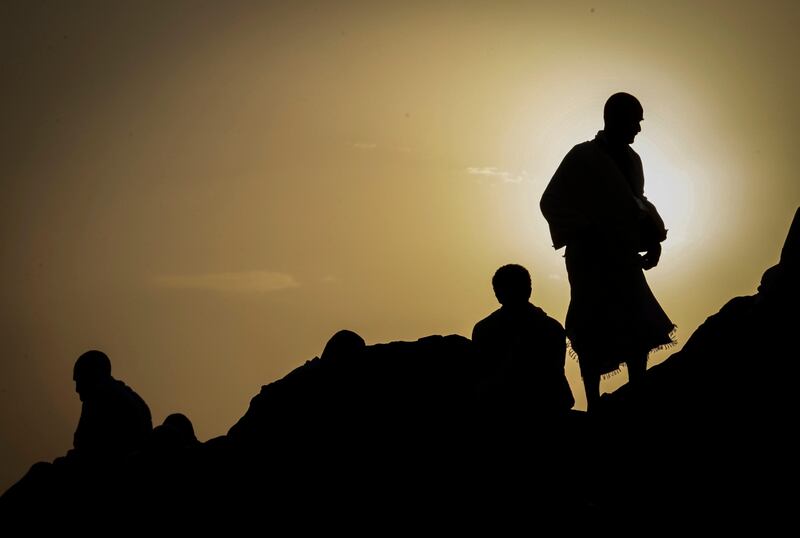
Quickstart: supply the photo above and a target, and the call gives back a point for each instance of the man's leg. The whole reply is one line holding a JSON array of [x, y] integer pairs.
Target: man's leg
[[637, 366], [591, 381]]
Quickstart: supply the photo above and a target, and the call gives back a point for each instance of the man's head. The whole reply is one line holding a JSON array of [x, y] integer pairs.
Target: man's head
[[343, 344], [512, 285], [180, 428], [92, 369], [623, 114]]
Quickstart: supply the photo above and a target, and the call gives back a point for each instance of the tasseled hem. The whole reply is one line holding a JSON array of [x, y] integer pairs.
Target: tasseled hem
[[608, 375], [669, 345]]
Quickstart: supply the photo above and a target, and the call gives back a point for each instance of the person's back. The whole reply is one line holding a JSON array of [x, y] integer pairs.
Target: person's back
[[522, 350], [115, 421]]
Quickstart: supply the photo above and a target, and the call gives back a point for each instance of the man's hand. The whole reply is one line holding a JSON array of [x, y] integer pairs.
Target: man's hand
[[651, 257]]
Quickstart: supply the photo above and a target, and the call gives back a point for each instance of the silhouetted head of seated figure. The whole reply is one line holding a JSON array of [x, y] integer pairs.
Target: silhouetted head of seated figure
[[181, 424], [91, 371], [512, 285], [342, 344], [623, 115], [175, 432]]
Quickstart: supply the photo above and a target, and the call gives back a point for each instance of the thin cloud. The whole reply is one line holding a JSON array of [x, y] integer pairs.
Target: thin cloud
[[237, 282], [495, 175], [364, 145]]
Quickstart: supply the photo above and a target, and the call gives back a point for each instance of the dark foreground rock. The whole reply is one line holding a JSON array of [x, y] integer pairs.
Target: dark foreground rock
[[395, 436]]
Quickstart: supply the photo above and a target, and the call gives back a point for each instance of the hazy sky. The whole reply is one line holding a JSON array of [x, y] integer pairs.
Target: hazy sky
[[208, 190]]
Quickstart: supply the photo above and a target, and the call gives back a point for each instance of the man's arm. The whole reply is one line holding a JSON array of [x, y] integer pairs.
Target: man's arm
[[651, 257], [561, 201], [653, 232]]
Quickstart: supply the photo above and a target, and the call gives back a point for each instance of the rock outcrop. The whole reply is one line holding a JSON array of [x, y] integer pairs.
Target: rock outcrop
[[397, 433]]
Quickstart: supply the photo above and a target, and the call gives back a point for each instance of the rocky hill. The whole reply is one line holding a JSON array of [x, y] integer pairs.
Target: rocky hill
[[397, 434]]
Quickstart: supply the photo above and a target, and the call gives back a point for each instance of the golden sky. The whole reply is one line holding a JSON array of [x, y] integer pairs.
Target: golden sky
[[207, 191]]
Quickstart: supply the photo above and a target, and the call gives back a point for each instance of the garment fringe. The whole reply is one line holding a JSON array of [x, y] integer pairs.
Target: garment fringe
[[669, 345]]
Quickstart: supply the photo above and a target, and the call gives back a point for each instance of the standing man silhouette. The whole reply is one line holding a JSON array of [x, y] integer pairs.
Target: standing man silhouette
[[596, 207]]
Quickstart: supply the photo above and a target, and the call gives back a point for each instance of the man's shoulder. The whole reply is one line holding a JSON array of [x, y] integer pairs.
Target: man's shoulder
[[488, 323], [125, 396], [634, 155], [585, 152], [491, 319], [585, 147], [554, 326], [550, 324]]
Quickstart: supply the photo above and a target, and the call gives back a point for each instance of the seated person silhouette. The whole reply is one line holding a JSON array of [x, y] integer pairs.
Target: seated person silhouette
[[175, 433], [522, 350], [114, 421], [171, 455]]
